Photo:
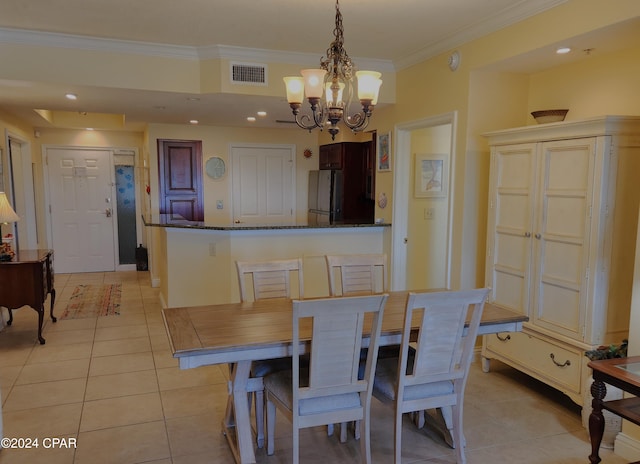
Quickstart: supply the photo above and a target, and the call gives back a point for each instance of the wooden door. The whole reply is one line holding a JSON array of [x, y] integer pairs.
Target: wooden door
[[180, 169], [511, 216]]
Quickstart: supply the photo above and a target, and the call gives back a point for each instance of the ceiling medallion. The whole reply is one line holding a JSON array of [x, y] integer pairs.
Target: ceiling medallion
[[334, 79]]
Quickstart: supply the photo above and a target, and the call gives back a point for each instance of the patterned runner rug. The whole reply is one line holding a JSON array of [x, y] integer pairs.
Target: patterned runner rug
[[93, 301]]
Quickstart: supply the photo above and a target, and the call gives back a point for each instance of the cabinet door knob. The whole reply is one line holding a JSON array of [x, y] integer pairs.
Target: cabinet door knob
[[538, 236], [527, 234]]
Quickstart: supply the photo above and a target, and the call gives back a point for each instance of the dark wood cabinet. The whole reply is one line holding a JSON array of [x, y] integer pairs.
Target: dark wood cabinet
[[354, 159], [27, 280]]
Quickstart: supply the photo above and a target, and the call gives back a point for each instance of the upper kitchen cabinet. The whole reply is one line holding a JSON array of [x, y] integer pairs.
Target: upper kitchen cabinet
[[562, 218], [354, 159]]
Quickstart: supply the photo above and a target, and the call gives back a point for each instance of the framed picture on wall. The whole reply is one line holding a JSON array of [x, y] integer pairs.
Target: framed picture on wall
[[431, 175], [384, 152]]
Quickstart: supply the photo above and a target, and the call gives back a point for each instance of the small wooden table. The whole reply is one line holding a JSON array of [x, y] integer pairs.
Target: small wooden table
[[27, 280], [240, 333], [623, 373]]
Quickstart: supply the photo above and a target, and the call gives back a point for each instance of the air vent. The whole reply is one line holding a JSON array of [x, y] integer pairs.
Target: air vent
[[246, 73]]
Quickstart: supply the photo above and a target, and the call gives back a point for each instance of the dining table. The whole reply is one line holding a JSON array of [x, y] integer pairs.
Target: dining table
[[240, 333]]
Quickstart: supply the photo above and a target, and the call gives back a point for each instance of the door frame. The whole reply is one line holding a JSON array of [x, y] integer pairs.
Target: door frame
[[112, 152], [402, 187], [24, 183]]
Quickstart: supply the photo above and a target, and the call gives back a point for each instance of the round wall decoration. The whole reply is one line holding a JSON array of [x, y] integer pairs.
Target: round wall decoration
[[454, 60], [215, 167], [307, 153]]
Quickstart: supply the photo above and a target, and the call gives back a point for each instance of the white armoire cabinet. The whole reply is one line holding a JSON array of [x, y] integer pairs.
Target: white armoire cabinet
[[562, 219]]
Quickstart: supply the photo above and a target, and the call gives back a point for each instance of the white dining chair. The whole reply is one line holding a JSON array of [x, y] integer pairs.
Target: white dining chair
[[260, 280], [434, 375], [358, 274], [329, 390]]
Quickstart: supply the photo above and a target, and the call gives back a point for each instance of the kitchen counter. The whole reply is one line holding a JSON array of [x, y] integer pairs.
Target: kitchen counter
[[166, 220], [194, 263]]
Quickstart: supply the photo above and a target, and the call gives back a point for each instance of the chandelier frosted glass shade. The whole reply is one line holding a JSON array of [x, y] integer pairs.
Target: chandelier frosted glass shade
[[330, 88]]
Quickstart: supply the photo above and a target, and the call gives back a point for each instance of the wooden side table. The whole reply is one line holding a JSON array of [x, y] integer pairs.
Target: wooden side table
[[623, 373], [27, 280]]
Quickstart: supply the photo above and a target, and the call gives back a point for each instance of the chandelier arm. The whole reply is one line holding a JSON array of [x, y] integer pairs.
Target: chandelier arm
[[360, 120]]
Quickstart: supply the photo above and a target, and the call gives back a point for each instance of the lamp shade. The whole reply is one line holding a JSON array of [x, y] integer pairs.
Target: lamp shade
[[369, 83], [313, 82], [7, 214], [295, 89]]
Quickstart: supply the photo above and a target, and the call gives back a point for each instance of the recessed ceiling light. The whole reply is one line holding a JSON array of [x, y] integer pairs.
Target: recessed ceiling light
[[71, 96], [90, 128], [251, 119], [262, 113], [563, 50], [193, 121], [193, 99]]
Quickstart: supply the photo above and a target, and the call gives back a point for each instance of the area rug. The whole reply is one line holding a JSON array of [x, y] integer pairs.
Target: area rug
[[93, 301]]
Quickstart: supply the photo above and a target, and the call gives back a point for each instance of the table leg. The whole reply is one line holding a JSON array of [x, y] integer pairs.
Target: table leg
[[596, 419], [237, 422]]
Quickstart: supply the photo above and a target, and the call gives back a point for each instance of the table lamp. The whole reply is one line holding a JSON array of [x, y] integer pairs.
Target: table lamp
[[7, 215]]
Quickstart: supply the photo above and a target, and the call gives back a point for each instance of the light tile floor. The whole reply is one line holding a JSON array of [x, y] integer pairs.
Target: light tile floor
[[112, 384]]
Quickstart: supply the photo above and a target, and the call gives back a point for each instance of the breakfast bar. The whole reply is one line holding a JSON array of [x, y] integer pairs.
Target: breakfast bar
[[194, 262]]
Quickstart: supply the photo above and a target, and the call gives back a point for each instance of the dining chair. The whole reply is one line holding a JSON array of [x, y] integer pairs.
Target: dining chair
[[359, 274], [261, 280], [329, 389], [434, 375]]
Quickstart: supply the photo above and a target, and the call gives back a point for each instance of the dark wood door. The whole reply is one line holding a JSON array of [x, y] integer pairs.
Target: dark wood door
[[180, 169]]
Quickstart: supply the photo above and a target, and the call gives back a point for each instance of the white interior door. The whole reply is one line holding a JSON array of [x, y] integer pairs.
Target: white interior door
[[262, 184], [80, 196]]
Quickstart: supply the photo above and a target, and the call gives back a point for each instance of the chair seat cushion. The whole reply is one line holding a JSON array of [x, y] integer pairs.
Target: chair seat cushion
[[386, 378], [280, 385], [265, 367]]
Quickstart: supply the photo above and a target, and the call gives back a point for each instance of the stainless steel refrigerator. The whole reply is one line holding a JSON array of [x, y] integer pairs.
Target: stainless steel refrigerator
[[326, 203]]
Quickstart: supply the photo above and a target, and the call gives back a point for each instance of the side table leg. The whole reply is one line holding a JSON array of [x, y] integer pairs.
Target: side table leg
[[53, 300], [40, 321], [596, 419]]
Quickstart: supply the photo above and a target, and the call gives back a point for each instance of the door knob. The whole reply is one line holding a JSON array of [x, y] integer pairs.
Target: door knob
[[107, 212], [538, 236]]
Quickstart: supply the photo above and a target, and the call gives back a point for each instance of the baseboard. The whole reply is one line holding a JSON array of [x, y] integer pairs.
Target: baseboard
[[627, 447], [155, 282]]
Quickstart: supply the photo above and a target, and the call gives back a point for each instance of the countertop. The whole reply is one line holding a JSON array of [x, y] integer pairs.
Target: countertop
[[169, 221]]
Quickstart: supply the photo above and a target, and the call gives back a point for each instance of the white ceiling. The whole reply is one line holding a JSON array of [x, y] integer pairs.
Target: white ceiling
[[401, 33]]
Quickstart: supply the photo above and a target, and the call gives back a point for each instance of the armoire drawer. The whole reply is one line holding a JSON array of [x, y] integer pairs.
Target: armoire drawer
[[552, 363]]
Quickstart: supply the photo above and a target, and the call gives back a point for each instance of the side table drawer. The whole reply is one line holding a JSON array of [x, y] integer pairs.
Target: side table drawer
[[553, 363]]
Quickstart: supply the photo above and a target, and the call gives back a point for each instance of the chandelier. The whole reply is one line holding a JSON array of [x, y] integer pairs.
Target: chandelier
[[334, 79]]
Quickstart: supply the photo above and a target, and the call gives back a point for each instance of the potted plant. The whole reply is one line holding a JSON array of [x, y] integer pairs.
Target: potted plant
[[608, 352]]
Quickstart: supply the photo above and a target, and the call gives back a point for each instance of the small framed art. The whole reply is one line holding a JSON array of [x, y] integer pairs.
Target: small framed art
[[432, 173], [384, 152]]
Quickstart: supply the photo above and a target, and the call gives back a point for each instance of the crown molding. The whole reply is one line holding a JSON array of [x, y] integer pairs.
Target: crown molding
[[49, 39], [519, 12]]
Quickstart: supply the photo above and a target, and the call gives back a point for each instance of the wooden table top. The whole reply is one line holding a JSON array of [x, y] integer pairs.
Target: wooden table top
[[221, 328]]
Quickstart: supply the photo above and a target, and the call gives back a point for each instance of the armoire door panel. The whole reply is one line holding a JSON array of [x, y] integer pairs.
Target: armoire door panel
[[508, 274], [562, 235]]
